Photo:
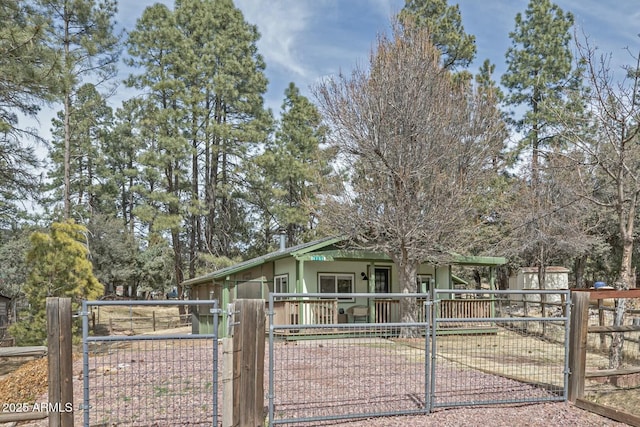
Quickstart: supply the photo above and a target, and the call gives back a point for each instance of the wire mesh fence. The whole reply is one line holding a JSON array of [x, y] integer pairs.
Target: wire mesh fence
[[164, 378], [360, 372], [523, 359], [469, 349]]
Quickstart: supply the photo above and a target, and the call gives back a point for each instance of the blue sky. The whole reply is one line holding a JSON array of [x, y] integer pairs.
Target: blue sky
[[305, 40]]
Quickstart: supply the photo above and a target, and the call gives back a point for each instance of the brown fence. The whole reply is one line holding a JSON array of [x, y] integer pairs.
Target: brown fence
[[579, 349]]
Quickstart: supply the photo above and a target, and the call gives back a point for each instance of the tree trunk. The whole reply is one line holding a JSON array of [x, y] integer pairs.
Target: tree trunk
[[617, 338], [407, 272], [477, 278], [194, 232], [503, 277], [177, 265], [626, 280], [578, 267], [67, 119]]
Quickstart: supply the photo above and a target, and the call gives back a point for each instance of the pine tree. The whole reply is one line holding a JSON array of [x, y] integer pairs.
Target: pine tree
[[121, 151], [202, 114], [444, 23], [27, 67], [82, 33], [59, 268], [90, 122], [292, 170], [539, 74]]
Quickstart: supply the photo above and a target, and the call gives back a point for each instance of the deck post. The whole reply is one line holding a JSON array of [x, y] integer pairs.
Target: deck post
[[492, 287], [300, 289], [371, 302]]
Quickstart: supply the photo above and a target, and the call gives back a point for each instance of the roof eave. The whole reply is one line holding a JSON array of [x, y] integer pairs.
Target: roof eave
[[483, 261]]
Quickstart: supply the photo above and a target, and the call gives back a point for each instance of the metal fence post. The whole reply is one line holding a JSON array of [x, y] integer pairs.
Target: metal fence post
[[271, 364], [427, 358], [434, 327], [567, 332], [215, 311], [85, 363]]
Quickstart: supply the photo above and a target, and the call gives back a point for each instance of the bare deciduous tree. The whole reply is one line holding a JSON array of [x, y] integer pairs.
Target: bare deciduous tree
[[606, 151], [419, 150]]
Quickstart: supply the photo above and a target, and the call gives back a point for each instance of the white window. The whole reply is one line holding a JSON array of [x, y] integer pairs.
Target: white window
[[281, 283], [341, 283]]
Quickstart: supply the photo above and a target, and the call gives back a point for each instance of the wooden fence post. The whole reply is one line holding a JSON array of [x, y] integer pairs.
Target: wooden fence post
[[578, 326], [60, 364], [248, 346]]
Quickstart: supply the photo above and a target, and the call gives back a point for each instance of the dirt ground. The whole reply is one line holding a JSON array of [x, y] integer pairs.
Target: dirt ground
[[29, 381]]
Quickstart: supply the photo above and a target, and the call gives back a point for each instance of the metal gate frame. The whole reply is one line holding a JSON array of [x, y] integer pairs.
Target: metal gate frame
[[436, 321], [345, 328], [432, 365], [87, 339]]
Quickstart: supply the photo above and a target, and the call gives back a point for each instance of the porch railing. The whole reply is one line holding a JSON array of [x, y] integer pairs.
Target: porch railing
[[307, 311], [325, 311], [464, 309]]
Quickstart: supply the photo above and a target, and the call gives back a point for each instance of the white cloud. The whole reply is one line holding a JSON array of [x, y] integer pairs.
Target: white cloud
[[281, 24]]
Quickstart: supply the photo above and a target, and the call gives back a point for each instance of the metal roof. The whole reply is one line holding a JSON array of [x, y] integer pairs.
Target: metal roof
[[296, 250], [300, 250]]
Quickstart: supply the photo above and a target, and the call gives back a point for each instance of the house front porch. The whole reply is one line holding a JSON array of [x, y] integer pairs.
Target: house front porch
[[374, 310]]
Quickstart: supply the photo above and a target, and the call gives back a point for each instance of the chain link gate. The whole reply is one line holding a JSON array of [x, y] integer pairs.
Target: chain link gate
[[138, 377]]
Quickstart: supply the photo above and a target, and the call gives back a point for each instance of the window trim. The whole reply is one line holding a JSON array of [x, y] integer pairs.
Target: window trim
[[281, 276], [352, 277]]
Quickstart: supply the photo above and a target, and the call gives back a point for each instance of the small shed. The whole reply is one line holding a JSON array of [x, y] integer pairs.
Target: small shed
[[526, 278]]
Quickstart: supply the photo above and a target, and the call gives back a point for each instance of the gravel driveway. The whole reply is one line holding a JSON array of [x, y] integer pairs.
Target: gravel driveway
[[170, 384]]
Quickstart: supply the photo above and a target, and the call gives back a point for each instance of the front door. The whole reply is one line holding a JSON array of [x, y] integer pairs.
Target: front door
[[383, 306], [382, 280]]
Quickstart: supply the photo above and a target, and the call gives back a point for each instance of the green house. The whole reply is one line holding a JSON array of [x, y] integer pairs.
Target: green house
[[321, 266]]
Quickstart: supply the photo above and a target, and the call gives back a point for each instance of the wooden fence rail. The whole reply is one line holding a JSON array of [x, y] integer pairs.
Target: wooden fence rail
[[578, 350]]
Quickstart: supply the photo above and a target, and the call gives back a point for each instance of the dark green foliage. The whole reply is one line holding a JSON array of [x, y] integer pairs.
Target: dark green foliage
[[200, 118], [288, 176], [447, 32], [26, 69], [540, 79], [91, 121], [540, 74], [114, 253], [82, 34]]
